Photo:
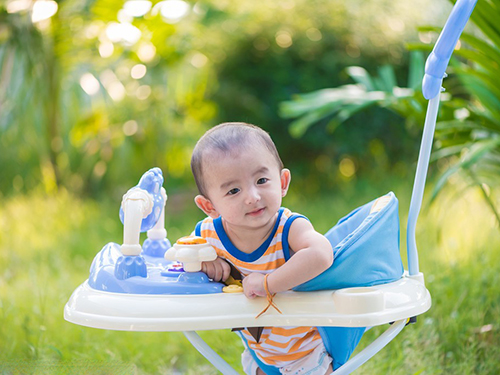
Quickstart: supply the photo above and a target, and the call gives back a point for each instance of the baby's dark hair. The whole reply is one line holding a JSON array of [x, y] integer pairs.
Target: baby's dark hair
[[226, 137]]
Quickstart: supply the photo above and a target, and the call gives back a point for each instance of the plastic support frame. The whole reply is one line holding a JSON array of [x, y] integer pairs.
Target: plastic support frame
[[348, 367]]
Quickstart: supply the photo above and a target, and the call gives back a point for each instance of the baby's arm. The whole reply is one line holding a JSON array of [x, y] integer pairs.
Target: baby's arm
[[313, 255], [217, 270]]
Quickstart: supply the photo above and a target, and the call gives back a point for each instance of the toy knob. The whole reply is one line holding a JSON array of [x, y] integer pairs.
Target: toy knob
[[191, 251]]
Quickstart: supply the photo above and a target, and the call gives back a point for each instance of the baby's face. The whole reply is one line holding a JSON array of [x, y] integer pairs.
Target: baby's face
[[245, 186]]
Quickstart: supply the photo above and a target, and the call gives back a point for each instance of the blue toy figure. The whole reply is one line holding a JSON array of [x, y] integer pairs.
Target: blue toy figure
[[130, 268]]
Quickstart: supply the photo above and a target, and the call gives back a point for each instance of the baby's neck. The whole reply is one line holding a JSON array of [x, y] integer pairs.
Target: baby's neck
[[248, 240]]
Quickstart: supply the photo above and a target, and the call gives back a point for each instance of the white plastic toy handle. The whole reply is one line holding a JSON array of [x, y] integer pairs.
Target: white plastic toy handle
[[137, 204], [191, 255]]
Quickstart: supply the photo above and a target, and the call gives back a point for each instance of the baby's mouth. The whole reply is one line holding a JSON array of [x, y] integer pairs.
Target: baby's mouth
[[256, 212]]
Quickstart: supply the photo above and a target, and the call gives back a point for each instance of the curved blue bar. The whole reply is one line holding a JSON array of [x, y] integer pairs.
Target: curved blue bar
[[440, 56]]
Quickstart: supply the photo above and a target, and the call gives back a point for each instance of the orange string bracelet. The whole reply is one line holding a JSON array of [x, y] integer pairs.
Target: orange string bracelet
[[269, 299]]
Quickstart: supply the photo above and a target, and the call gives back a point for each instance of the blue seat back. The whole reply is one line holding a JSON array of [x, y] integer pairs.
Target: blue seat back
[[365, 247]]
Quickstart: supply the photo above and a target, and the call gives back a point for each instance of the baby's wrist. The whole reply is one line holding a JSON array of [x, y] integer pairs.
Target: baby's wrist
[[268, 289]]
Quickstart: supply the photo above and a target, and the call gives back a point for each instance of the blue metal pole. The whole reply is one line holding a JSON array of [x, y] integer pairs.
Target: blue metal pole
[[419, 184]]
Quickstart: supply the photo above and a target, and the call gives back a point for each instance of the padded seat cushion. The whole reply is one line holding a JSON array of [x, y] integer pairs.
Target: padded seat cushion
[[365, 246]]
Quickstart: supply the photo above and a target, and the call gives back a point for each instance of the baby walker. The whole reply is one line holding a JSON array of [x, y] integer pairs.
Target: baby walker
[[159, 287]]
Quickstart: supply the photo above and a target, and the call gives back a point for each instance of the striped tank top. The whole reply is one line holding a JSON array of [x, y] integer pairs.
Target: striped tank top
[[277, 346]]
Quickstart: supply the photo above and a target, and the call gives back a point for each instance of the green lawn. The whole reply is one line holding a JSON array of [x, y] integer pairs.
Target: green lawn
[[47, 245]]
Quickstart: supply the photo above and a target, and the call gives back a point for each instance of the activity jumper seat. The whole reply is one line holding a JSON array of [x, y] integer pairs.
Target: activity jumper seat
[[159, 287]]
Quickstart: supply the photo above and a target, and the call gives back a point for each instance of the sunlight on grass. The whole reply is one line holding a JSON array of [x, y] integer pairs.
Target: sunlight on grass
[[40, 224], [464, 225], [458, 243], [47, 244]]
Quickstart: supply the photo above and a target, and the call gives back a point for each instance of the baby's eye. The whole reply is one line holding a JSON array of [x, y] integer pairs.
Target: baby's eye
[[233, 191], [262, 180]]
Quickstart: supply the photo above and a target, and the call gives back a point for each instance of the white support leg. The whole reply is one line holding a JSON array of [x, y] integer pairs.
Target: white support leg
[[209, 354], [371, 349]]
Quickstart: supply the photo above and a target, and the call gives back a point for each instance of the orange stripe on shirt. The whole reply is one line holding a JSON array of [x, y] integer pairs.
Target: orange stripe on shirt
[[275, 344], [311, 336], [267, 343], [207, 233], [273, 249], [287, 357]]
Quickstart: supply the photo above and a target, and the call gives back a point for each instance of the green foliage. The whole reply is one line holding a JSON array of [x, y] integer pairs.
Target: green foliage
[[340, 104], [56, 132], [469, 122], [362, 107], [74, 117]]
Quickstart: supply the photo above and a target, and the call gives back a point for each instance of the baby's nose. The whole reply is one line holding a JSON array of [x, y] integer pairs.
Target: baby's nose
[[252, 196]]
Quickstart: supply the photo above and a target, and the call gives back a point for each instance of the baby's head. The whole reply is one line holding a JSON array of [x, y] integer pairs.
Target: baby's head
[[227, 139]]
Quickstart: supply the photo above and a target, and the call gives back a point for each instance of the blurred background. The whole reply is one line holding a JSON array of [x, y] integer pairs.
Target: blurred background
[[95, 92]]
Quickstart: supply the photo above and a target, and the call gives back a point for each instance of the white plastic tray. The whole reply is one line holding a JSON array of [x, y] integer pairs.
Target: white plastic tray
[[351, 307]]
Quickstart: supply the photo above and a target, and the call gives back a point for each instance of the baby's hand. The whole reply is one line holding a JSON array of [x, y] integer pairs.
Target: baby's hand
[[253, 285], [217, 270]]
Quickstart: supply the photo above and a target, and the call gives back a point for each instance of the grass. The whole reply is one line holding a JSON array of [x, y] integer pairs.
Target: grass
[[47, 245]]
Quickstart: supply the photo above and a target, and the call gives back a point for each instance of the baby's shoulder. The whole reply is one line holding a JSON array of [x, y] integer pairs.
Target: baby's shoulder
[[288, 217]]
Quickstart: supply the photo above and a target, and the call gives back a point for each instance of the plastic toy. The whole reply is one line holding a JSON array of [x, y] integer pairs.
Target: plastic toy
[[157, 287]]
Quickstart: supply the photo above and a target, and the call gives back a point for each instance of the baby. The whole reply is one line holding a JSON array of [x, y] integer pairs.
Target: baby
[[241, 181]]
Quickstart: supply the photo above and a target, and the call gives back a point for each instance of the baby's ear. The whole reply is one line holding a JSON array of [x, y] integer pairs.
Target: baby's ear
[[206, 206], [286, 177]]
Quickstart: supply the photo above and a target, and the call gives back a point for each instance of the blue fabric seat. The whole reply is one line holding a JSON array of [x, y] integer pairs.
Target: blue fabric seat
[[365, 247]]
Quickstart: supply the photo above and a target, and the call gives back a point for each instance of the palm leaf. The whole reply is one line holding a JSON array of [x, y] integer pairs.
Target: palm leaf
[[477, 151], [347, 112], [486, 196], [315, 106], [300, 126], [485, 62], [447, 152], [455, 126], [485, 92], [303, 103], [416, 69], [361, 76], [480, 46], [386, 79], [486, 16]]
